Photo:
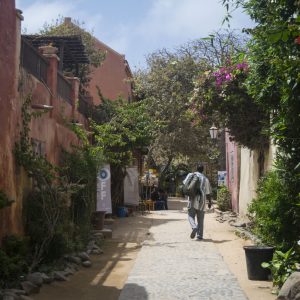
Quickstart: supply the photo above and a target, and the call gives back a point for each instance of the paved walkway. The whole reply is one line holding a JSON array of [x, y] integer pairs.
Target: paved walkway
[[172, 266]]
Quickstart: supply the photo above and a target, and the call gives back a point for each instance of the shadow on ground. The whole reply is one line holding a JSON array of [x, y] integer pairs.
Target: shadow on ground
[[109, 272]]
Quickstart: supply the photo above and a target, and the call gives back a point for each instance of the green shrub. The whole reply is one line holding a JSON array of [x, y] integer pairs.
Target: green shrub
[[274, 214], [282, 265], [4, 200], [224, 199], [13, 260]]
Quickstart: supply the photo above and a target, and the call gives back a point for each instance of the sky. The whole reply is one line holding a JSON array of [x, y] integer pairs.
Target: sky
[[135, 28]]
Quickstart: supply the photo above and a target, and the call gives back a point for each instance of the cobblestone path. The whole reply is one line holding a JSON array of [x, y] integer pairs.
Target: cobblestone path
[[172, 266]]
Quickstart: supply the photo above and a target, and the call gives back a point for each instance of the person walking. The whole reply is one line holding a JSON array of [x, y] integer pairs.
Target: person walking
[[197, 203]]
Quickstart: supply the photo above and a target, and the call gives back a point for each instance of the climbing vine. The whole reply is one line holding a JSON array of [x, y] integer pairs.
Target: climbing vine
[[46, 207], [4, 200]]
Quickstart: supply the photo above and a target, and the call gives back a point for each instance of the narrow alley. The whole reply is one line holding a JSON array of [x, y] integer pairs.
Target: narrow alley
[[151, 256], [113, 114]]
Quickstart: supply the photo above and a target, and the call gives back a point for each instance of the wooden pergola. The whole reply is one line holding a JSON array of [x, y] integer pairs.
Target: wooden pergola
[[71, 50]]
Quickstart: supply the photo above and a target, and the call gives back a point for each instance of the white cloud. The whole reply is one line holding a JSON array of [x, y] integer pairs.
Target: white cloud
[[177, 18], [121, 39], [40, 12]]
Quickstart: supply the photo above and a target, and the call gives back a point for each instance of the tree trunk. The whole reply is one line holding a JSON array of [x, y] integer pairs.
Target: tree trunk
[[117, 186]]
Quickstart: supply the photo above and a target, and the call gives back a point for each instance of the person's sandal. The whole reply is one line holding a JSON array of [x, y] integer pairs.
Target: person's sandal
[[193, 233]]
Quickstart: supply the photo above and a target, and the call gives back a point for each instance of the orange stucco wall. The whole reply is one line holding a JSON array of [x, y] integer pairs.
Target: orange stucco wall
[[50, 128], [112, 76], [10, 179]]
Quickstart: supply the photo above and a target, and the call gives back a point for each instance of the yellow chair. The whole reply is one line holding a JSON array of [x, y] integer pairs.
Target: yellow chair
[[142, 206], [150, 205]]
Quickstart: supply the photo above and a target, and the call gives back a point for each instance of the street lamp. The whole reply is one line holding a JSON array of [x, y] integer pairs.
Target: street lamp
[[213, 131]]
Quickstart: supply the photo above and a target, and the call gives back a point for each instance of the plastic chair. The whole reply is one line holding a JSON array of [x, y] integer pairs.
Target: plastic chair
[[150, 205], [142, 206]]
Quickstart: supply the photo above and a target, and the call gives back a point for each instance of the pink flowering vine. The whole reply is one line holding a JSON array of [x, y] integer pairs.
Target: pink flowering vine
[[226, 74]]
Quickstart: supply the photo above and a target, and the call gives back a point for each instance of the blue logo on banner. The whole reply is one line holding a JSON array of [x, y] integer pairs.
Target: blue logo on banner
[[104, 174]]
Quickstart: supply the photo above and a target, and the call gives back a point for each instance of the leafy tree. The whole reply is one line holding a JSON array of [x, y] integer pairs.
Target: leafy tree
[[128, 129], [223, 95], [80, 168], [168, 87], [215, 49]]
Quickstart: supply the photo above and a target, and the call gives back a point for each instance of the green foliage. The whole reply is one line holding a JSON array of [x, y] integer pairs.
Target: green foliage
[[274, 212], [129, 128], [13, 245], [282, 265], [36, 166], [273, 82], [80, 168], [46, 209], [224, 199], [166, 86], [13, 260], [46, 217], [224, 97], [120, 130], [4, 200], [105, 111]]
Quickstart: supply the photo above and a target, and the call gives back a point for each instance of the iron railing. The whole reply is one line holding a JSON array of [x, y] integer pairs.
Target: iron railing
[[64, 88], [33, 62]]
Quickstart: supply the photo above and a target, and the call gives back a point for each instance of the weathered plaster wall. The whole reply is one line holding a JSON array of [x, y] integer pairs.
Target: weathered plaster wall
[[249, 174], [233, 168], [10, 176], [50, 128], [111, 76], [248, 180]]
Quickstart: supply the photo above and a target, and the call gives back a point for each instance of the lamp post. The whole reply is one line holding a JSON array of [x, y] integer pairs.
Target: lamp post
[[213, 131]]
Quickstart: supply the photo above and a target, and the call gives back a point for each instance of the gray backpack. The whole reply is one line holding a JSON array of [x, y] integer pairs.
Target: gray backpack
[[192, 186]]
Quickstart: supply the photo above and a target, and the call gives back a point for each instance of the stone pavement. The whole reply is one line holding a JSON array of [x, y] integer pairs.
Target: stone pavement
[[172, 266]]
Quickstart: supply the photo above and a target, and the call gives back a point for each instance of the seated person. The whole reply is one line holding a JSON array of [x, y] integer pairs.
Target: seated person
[[154, 196], [163, 196]]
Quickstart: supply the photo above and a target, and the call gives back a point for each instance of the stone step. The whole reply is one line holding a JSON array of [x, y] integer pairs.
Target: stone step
[[108, 221]]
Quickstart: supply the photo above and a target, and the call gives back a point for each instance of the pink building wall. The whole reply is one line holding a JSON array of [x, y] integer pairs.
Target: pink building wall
[[10, 115], [112, 77], [50, 128], [232, 168]]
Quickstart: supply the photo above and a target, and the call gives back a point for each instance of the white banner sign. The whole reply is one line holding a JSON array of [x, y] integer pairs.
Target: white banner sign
[[104, 190], [131, 186]]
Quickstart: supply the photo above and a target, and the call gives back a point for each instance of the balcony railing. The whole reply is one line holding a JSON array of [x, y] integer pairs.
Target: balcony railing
[[33, 62], [64, 88]]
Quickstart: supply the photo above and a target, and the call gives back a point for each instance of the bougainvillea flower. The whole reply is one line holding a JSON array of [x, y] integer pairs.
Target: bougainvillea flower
[[297, 40], [228, 76]]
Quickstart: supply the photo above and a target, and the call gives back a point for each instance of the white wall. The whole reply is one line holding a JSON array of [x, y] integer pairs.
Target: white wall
[[249, 174]]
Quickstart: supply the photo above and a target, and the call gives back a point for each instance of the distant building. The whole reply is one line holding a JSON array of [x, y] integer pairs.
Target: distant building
[[113, 77]]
